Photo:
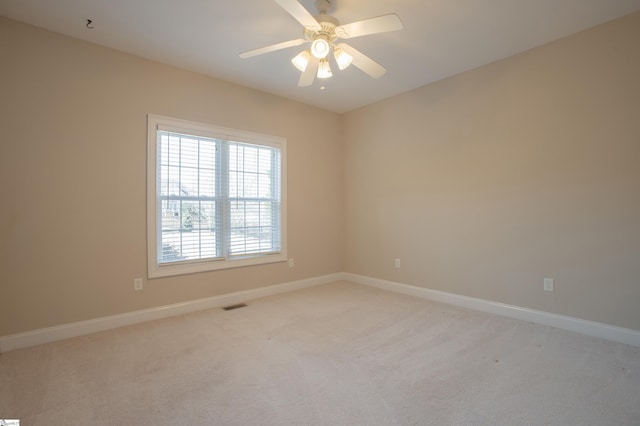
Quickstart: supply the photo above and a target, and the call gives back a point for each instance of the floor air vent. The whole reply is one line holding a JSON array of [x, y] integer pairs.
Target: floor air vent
[[231, 307]]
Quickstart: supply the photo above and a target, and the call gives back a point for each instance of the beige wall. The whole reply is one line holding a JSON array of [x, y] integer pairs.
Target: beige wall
[[488, 182], [72, 167], [483, 184]]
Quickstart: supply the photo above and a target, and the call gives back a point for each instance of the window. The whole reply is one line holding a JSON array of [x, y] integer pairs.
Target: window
[[215, 197]]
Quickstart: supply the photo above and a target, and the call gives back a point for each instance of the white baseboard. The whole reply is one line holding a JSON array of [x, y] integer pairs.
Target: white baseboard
[[590, 328], [65, 331]]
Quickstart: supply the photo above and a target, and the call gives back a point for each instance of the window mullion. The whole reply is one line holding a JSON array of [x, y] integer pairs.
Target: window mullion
[[223, 230], [245, 226]]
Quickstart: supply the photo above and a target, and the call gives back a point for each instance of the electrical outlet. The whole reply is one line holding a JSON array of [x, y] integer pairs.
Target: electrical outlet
[[137, 284], [548, 284], [292, 263], [397, 263]]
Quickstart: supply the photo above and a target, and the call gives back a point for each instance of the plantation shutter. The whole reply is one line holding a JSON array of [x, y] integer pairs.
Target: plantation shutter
[[216, 198]]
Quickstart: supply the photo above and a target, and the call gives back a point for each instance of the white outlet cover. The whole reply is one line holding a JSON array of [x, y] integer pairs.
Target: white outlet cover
[[548, 284]]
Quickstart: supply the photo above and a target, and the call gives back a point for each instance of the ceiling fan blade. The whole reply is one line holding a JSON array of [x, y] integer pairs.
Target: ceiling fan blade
[[362, 61], [309, 74], [381, 24], [301, 14], [272, 48]]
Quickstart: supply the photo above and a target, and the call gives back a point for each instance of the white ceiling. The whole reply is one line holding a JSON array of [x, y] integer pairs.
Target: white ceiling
[[440, 37]]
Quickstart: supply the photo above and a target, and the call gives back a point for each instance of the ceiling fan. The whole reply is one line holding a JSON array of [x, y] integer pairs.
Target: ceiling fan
[[322, 32]]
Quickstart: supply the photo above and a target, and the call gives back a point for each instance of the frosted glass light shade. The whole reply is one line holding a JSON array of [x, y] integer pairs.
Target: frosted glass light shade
[[320, 48], [342, 58], [301, 60], [324, 70]]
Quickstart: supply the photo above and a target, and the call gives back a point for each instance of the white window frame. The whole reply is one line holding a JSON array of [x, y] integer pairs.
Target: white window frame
[[157, 122]]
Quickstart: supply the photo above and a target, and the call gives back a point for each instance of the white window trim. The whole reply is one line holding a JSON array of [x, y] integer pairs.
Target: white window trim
[[155, 270]]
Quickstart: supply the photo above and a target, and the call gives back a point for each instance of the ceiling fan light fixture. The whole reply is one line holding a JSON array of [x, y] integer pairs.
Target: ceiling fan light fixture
[[324, 70], [322, 32], [343, 59], [301, 60], [320, 48]]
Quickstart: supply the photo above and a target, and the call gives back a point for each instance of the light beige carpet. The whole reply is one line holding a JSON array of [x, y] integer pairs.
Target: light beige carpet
[[337, 354]]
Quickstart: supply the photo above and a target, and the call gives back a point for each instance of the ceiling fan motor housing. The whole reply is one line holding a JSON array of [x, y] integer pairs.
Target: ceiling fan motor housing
[[327, 32], [322, 40]]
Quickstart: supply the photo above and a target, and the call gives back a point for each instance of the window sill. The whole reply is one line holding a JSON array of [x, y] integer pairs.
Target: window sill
[[183, 268]]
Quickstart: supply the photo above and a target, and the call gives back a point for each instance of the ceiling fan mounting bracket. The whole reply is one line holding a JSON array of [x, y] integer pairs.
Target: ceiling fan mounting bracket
[[324, 6]]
